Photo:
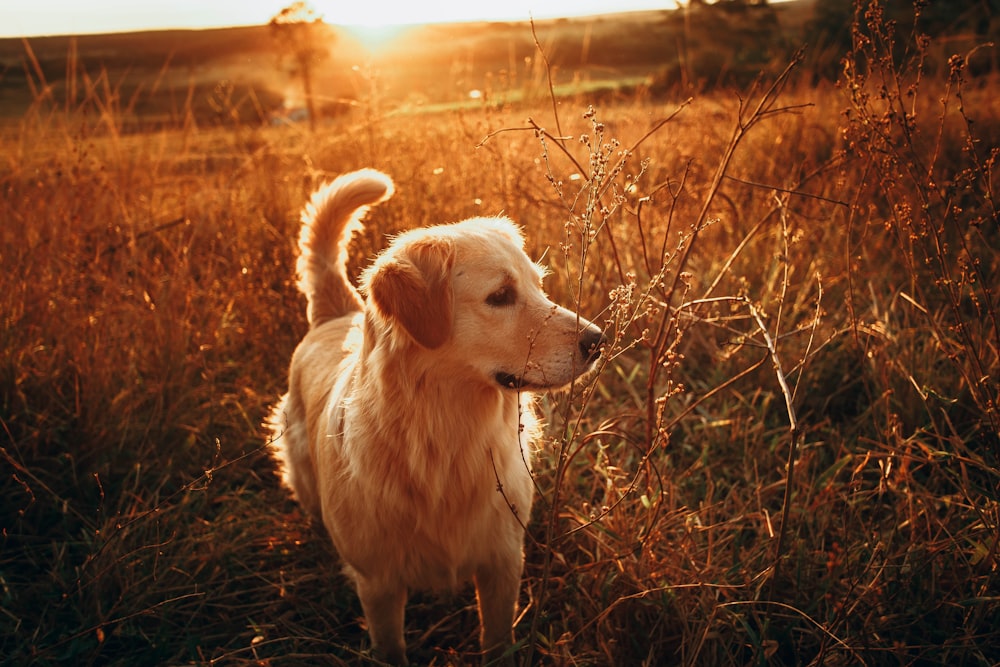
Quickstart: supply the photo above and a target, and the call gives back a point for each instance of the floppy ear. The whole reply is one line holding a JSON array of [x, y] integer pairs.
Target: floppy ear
[[412, 286]]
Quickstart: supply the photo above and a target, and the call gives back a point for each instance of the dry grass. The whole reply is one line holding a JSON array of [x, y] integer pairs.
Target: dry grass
[[790, 455]]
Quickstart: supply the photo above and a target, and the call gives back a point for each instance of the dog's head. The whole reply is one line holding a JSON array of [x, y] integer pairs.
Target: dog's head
[[470, 295]]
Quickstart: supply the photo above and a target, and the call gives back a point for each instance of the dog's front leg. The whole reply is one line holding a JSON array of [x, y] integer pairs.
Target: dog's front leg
[[497, 588], [384, 607]]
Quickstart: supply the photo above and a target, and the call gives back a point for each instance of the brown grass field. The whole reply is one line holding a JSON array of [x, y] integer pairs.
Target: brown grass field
[[790, 455]]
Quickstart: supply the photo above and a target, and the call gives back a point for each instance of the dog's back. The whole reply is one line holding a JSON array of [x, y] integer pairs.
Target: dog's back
[[329, 219]]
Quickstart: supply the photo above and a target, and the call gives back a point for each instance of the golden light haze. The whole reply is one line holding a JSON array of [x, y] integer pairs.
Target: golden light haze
[[60, 17]]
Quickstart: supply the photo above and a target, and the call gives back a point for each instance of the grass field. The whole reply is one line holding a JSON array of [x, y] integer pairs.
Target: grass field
[[790, 455]]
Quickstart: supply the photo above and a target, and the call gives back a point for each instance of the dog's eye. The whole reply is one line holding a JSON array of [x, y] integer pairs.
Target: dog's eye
[[505, 296]]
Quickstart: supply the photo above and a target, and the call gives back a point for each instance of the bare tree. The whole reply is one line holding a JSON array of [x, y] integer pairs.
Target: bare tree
[[302, 34]]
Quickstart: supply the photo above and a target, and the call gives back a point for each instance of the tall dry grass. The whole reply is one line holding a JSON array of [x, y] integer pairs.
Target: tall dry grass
[[789, 455]]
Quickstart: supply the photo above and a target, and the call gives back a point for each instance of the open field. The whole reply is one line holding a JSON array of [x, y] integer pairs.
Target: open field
[[790, 455]]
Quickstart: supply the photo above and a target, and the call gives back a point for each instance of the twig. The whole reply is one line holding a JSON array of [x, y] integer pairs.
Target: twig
[[548, 75], [147, 232], [794, 435], [797, 193]]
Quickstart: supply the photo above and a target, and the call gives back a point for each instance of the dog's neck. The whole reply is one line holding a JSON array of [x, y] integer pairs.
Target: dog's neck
[[457, 449], [413, 381]]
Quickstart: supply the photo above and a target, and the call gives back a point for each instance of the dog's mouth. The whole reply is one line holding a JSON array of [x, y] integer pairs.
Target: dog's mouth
[[511, 381], [520, 383]]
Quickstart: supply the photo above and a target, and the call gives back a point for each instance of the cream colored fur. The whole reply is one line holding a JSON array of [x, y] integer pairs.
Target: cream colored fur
[[408, 424]]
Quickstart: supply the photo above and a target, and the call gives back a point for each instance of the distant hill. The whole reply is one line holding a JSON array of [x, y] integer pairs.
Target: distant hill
[[165, 76]]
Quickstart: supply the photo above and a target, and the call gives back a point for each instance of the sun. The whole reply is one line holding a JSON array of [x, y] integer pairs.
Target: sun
[[388, 12], [368, 21], [374, 36]]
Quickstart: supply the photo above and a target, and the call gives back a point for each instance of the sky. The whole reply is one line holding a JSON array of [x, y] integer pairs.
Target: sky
[[26, 18]]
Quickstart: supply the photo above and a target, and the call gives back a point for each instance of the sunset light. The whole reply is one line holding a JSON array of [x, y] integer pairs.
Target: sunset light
[[57, 17], [372, 36], [275, 350], [388, 12]]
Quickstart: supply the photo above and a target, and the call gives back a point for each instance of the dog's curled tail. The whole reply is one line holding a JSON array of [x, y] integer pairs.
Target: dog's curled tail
[[333, 213]]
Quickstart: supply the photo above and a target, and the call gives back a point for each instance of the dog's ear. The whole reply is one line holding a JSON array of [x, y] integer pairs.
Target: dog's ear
[[411, 285]]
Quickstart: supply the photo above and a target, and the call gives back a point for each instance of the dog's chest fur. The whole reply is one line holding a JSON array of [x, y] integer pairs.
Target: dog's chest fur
[[440, 487]]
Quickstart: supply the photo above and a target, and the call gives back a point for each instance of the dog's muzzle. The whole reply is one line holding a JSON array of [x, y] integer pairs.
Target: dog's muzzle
[[590, 343]]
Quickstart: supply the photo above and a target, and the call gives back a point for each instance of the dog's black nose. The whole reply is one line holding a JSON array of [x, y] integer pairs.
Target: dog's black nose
[[591, 340]]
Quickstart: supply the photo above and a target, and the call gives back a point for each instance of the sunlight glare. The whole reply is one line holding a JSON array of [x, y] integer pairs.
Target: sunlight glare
[[374, 36]]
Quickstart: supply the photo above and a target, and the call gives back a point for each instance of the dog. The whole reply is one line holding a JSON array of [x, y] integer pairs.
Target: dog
[[408, 423]]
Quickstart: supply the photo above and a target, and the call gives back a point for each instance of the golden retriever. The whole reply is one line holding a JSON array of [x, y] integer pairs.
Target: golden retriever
[[407, 427]]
